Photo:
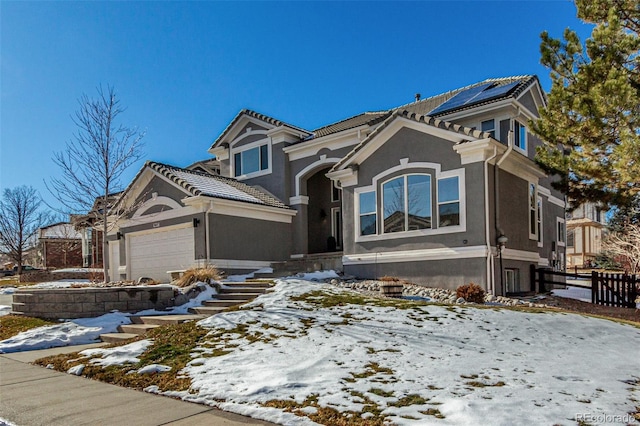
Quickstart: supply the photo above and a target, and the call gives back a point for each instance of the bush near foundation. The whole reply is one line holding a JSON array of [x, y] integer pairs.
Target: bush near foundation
[[471, 293]]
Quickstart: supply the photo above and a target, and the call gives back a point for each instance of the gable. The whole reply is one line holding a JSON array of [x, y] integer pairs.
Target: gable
[[157, 196], [453, 133]]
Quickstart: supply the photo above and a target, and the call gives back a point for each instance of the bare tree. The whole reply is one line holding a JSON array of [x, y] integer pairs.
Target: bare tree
[[20, 219], [624, 247], [94, 160]]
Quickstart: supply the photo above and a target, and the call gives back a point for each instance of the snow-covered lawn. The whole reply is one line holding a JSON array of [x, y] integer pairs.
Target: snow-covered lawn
[[314, 347], [423, 365]]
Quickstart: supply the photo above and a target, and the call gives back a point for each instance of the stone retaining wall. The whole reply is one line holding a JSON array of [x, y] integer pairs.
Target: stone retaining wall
[[44, 276], [65, 303]]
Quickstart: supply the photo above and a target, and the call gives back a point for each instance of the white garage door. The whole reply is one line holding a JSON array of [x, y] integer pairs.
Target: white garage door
[[153, 254]]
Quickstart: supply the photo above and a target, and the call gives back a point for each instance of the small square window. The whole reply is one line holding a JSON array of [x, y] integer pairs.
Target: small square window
[[489, 126]]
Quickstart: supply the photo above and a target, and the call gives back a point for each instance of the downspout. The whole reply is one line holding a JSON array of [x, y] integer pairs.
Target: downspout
[[490, 267], [206, 234], [496, 191]]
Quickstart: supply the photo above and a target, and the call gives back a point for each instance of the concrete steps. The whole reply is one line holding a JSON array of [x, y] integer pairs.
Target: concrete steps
[[231, 294], [139, 329], [116, 337]]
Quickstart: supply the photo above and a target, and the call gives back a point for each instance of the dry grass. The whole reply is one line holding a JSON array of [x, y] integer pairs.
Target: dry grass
[[11, 325], [172, 346], [202, 274]]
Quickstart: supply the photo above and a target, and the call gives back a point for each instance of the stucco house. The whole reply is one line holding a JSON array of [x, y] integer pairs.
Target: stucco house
[[441, 191]]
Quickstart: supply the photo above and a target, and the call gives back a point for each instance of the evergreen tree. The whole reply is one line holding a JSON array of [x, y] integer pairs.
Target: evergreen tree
[[592, 121]]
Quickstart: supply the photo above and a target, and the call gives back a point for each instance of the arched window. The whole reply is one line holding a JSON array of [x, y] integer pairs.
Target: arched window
[[406, 203]]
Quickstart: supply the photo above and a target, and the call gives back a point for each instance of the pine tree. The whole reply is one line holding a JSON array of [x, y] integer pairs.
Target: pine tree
[[592, 120]]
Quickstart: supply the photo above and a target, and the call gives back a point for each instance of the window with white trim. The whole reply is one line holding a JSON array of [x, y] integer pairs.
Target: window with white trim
[[368, 222], [448, 201], [533, 211], [520, 135], [570, 238], [489, 126], [412, 204], [562, 232], [539, 222], [406, 203], [251, 160]]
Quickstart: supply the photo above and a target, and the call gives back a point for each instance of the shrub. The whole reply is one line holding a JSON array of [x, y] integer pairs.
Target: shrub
[[202, 274], [471, 293], [387, 278]]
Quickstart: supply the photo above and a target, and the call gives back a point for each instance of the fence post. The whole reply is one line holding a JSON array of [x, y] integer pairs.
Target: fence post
[[594, 287]]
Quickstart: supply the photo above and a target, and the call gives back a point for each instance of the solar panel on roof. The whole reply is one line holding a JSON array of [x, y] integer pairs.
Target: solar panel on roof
[[494, 92], [475, 95], [461, 98]]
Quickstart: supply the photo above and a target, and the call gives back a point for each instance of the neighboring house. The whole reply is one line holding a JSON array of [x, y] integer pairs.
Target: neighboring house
[[90, 227], [585, 227], [429, 192], [59, 246]]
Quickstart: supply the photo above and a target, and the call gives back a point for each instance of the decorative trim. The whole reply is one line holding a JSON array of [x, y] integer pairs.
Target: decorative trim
[[221, 153], [247, 134], [299, 199], [157, 201], [447, 253], [240, 209], [543, 262], [322, 161], [404, 164], [333, 142], [553, 200], [522, 255], [347, 177], [477, 151]]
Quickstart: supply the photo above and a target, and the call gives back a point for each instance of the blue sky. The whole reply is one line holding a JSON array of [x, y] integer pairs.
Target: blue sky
[[183, 70]]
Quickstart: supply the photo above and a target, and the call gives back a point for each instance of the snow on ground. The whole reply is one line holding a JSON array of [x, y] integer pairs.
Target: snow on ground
[[4, 310], [126, 354], [75, 332], [475, 366], [92, 270], [87, 330], [468, 365], [8, 290], [577, 293]]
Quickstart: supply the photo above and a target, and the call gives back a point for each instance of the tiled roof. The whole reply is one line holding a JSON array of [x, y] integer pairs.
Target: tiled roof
[[425, 106], [441, 124], [369, 118], [261, 117], [198, 183]]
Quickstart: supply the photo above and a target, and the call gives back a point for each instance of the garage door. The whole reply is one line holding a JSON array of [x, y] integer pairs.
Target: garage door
[[153, 254]]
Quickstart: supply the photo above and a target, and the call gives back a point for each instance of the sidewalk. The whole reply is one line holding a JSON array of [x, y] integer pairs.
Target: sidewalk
[[31, 396]]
